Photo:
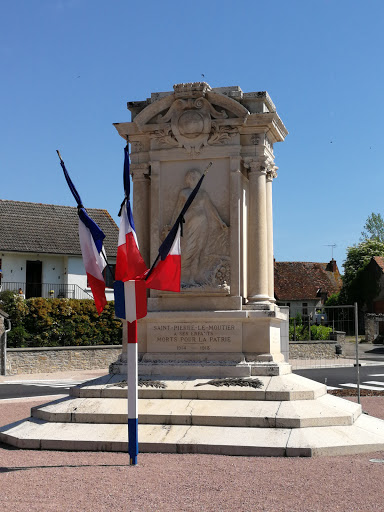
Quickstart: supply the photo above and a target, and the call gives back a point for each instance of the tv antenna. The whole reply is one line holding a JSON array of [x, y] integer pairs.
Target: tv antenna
[[331, 245]]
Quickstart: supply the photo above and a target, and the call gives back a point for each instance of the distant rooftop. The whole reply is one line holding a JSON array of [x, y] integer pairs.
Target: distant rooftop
[[49, 228], [299, 280]]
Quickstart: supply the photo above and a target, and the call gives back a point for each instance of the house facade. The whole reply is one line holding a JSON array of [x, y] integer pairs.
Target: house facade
[[374, 271], [40, 253], [305, 286]]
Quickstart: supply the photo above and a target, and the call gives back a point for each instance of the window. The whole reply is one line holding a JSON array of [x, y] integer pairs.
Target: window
[[305, 308], [109, 275]]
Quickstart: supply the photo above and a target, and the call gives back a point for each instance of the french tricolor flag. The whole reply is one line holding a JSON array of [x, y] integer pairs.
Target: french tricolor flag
[[92, 250], [129, 262], [165, 275], [130, 300], [91, 243]]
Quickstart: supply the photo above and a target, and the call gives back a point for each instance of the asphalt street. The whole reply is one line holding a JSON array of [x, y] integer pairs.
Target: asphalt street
[[371, 377], [34, 388]]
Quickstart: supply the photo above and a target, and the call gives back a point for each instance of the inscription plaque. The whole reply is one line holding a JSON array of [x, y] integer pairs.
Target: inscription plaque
[[194, 337]]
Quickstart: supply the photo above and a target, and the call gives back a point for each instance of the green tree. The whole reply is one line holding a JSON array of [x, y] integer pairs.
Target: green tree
[[373, 228], [356, 286]]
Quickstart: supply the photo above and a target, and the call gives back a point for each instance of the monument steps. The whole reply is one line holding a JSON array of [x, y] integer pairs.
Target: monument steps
[[325, 411], [364, 436], [185, 417], [282, 387]]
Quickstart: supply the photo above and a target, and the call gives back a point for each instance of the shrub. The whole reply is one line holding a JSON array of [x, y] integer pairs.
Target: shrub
[[318, 332], [40, 322]]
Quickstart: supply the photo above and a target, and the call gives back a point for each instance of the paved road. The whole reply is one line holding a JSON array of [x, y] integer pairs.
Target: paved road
[[367, 351], [371, 377], [32, 388]]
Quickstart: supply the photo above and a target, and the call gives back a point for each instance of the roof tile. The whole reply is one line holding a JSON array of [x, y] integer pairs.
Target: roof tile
[[49, 228], [298, 280]]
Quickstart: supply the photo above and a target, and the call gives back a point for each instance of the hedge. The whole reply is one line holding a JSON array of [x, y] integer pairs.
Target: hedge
[[40, 322], [318, 332]]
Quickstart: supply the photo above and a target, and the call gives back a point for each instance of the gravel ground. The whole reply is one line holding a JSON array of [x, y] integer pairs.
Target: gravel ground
[[85, 481]]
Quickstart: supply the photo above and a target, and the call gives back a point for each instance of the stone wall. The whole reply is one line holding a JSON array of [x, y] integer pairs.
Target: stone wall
[[372, 326], [312, 349], [58, 359]]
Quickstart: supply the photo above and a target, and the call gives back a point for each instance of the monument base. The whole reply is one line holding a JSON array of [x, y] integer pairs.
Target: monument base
[[162, 365], [195, 344]]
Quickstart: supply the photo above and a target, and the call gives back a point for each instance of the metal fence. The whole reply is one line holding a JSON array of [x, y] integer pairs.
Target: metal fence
[[322, 336], [325, 337], [46, 290]]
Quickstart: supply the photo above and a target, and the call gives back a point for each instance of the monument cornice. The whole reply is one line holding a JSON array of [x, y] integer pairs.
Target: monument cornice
[[125, 129], [269, 120]]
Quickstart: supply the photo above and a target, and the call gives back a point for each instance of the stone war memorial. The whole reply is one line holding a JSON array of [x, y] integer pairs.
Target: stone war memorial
[[224, 322], [214, 375]]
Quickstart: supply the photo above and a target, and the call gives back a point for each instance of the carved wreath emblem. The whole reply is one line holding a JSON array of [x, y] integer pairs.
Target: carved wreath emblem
[[192, 126]]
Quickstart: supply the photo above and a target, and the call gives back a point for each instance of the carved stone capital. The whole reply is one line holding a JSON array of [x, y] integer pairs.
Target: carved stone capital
[[254, 165], [271, 173], [139, 172]]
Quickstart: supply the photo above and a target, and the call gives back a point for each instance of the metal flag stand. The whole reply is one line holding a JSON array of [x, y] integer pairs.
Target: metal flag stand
[[132, 383]]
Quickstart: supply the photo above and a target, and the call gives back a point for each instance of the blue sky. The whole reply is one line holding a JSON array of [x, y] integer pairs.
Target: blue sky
[[68, 67]]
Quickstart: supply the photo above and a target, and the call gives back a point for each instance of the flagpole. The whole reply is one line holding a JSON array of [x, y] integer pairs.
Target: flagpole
[[132, 382]]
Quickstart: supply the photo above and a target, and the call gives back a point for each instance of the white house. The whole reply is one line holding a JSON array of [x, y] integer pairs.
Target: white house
[[40, 253]]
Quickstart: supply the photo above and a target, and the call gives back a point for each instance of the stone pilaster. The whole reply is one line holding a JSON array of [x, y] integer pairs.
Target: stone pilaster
[[154, 220], [271, 174], [257, 233], [141, 207], [235, 218]]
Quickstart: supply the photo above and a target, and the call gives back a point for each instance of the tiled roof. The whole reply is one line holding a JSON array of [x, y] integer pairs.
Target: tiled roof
[[49, 228], [380, 261], [299, 280]]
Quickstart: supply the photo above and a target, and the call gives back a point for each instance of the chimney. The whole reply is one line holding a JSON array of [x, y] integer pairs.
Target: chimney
[[332, 267]]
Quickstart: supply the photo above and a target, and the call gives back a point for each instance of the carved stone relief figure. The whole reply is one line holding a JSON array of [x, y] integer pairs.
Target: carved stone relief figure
[[205, 240]]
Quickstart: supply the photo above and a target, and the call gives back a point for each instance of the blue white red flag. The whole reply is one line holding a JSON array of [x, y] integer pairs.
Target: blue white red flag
[[129, 262], [94, 258], [92, 249], [130, 300], [166, 274]]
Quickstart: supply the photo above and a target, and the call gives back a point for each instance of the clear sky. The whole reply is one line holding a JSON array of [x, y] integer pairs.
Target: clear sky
[[68, 67]]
